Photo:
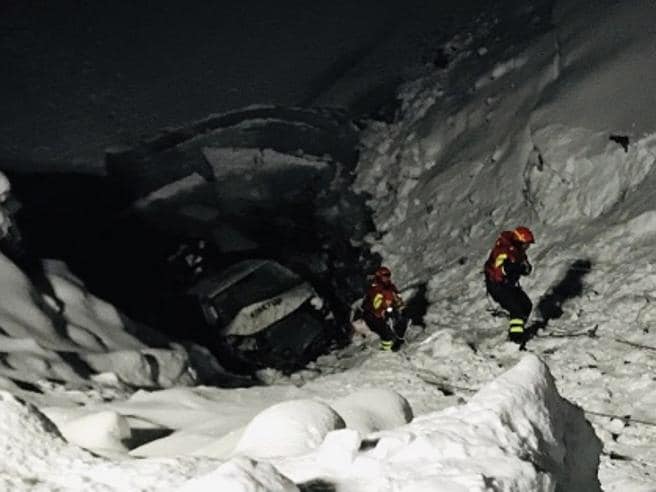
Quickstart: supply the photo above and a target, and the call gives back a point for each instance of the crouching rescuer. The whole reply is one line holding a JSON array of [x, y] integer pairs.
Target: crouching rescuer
[[506, 264], [381, 310]]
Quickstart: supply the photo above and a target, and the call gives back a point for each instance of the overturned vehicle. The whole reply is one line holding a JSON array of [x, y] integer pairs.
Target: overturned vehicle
[[264, 315], [270, 183], [180, 218]]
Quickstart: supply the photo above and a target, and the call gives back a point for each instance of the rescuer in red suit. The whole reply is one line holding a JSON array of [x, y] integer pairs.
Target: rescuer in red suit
[[505, 265], [381, 302]]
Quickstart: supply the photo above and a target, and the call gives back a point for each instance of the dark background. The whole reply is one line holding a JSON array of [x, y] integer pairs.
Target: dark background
[[79, 76]]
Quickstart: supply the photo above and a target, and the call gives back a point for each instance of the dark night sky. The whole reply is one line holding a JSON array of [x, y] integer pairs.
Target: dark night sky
[[83, 75]]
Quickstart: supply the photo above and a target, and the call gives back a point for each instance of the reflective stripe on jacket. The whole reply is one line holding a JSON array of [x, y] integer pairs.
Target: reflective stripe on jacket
[[379, 297], [502, 264]]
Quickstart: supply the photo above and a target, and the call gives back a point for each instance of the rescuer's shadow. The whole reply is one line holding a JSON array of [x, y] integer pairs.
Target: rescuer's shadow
[[317, 485], [550, 305], [416, 306]]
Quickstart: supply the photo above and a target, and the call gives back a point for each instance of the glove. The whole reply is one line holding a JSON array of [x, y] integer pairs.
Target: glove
[[527, 268]]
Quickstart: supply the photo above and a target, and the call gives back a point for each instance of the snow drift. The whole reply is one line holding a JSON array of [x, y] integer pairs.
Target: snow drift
[[35, 457], [541, 118], [515, 129], [520, 133], [288, 429], [42, 348], [517, 433]]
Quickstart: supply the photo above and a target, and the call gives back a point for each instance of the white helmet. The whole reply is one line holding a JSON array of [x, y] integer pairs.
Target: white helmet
[[5, 187]]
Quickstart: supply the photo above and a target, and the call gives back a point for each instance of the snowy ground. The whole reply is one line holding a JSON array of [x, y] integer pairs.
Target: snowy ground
[[516, 434], [530, 144], [341, 429], [514, 130]]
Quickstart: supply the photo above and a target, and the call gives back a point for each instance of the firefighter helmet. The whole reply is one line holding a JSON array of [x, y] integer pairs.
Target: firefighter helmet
[[523, 235]]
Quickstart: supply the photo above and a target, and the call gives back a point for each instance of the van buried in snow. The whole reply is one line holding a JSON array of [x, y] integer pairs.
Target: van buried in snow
[[265, 315]]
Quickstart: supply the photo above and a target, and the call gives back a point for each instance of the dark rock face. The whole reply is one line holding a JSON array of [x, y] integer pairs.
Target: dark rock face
[[176, 153], [179, 210]]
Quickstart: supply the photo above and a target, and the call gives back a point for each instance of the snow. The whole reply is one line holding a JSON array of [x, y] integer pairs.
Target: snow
[[88, 339], [301, 438], [183, 185], [287, 429], [248, 179], [372, 410], [517, 433], [35, 457], [242, 475], [522, 136], [254, 163], [100, 432], [513, 130]]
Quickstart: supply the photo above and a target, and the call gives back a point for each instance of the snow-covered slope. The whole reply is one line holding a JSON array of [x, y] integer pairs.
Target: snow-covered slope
[[35, 457], [345, 429], [517, 130], [517, 433], [88, 345]]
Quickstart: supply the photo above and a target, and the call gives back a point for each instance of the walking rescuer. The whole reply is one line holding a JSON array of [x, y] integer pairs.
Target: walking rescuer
[[381, 310], [506, 263]]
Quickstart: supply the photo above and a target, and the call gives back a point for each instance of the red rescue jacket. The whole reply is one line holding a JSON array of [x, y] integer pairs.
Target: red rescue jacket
[[507, 261], [379, 297]]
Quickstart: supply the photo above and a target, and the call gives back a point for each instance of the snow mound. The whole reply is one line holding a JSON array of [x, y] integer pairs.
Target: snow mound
[[371, 410], [297, 426], [23, 426], [241, 474], [36, 457], [89, 337], [288, 428], [216, 423], [23, 313], [583, 173], [101, 432], [549, 431], [517, 433]]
